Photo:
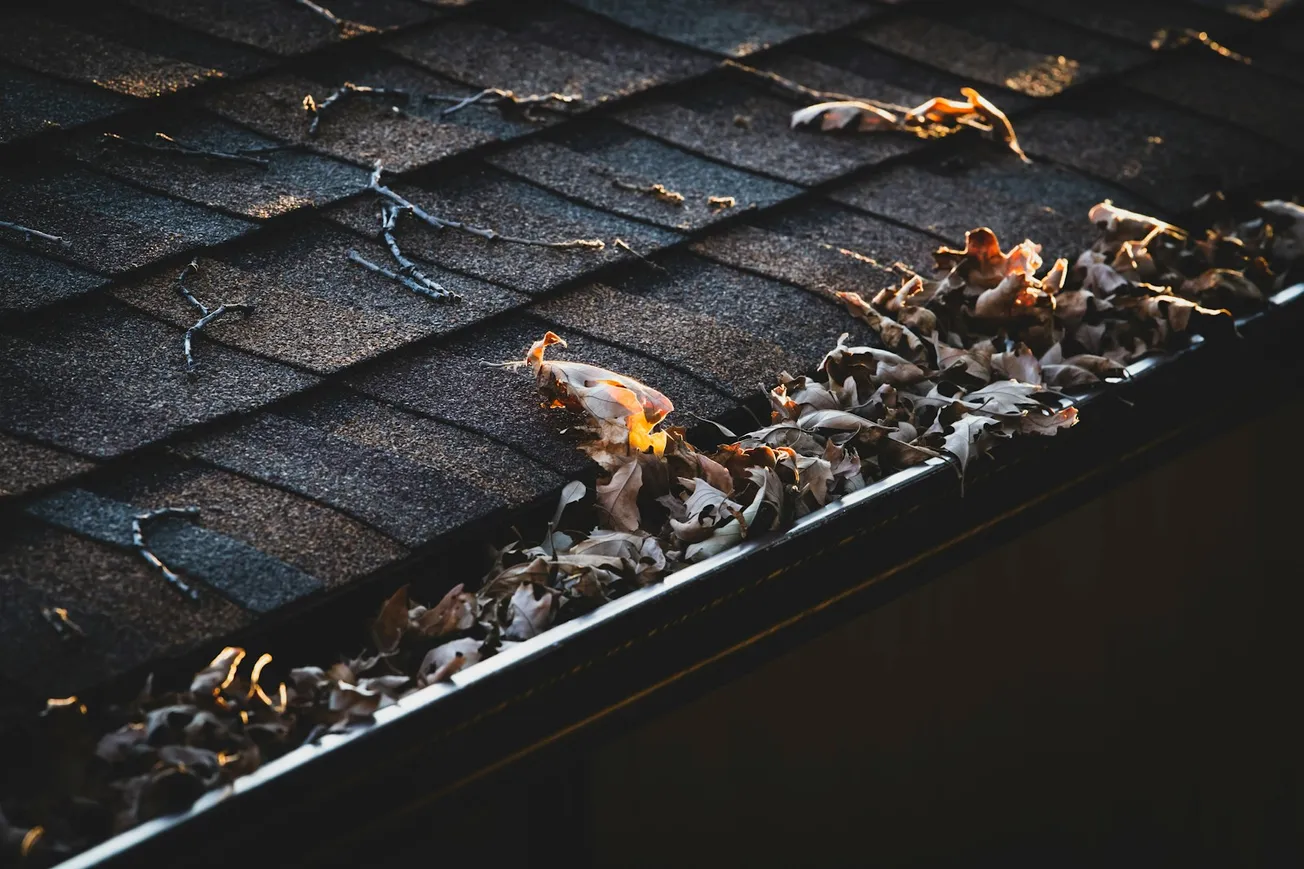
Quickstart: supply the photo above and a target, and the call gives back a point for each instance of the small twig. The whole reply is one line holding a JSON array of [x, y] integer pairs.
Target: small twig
[[57, 618], [806, 93], [343, 24], [389, 214], [28, 233], [499, 98], [206, 315], [175, 147], [138, 538], [316, 109], [1170, 39], [721, 202], [621, 244], [219, 311], [489, 234], [406, 281], [660, 191]]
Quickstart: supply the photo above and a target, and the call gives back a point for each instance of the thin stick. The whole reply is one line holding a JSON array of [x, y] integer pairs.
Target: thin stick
[[220, 311], [660, 191], [206, 315], [389, 214], [138, 538], [28, 232], [175, 147], [498, 97], [316, 109], [801, 90], [445, 223], [343, 24], [58, 619], [406, 281]]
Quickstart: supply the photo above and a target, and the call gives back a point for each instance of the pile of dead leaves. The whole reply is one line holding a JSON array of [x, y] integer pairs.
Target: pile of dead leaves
[[993, 346]]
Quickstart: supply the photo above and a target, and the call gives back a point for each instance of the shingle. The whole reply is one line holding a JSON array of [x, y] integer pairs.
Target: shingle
[[248, 577], [736, 27], [34, 103], [1040, 201], [25, 466], [399, 487], [452, 383], [588, 164], [107, 226], [1163, 154], [817, 266], [65, 52], [1004, 47], [315, 308], [285, 28], [1226, 89], [103, 380], [489, 57], [745, 329], [844, 228], [31, 653], [29, 281], [280, 523], [490, 199], [130, 614], [1137, 23], [598, 39], [149, 33], [288, 180], [360, 129], [475, 461], [747, 127]]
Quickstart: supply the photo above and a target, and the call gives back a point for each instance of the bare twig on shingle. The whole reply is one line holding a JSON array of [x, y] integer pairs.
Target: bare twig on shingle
[[138, 538], [345, 26], [721, 202], [621, 244], [58, 619], [206, 315], [489, 234], [1177, 38], [440, 295], [793, 88], [172, 146], [660, 191], [504, 100], [316, 109], [29, 233]]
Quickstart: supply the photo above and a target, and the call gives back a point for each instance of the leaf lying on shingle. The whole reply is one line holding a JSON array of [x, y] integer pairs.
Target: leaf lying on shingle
[[933, 119]]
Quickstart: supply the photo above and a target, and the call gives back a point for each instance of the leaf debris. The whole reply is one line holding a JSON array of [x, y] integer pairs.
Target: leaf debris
[[932, 119], [981, 352]]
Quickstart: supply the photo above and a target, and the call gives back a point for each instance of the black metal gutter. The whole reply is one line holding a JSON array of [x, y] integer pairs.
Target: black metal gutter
[[663, 644]]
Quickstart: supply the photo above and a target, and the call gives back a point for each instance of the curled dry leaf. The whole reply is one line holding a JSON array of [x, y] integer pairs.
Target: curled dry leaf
[[931, 119]]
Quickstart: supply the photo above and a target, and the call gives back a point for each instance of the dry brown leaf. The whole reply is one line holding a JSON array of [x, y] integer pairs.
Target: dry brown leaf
[[618, 496]]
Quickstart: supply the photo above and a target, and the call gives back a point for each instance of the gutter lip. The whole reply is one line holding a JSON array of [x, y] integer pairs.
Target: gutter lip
[[429, 698]]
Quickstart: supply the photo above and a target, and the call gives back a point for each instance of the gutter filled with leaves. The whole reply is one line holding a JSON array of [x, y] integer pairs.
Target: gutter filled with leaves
[[993, 348]]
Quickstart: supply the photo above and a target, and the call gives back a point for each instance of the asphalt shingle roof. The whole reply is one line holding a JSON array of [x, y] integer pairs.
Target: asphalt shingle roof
[[348, 421]]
